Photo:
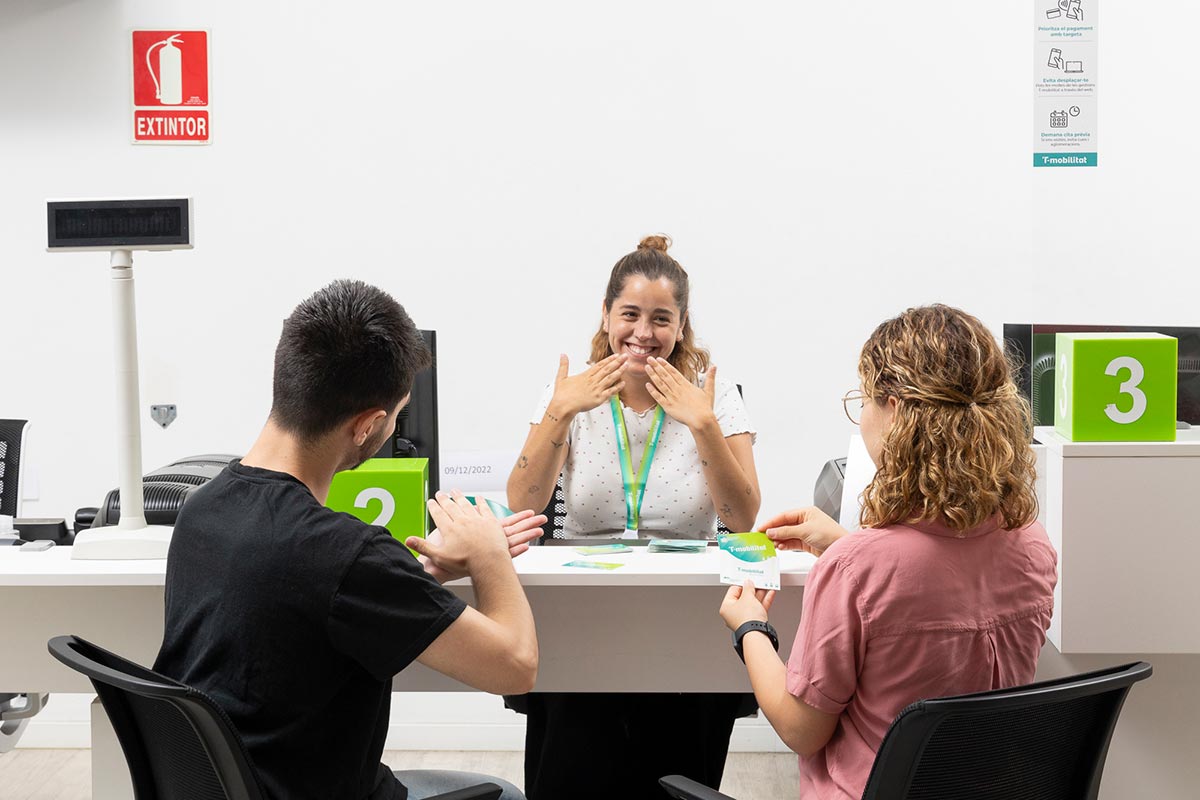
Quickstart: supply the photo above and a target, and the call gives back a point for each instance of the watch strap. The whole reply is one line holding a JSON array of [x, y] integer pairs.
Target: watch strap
[[754, 625]]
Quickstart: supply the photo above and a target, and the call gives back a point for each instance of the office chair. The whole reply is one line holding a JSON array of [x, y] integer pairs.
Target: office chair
[[1044, 741], [12, 442], [177, 741]]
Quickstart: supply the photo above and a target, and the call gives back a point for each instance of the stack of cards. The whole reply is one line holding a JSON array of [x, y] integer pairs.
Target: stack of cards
[[499, 509], [596, 550], [749, 556], [677, 545], [602, 549]]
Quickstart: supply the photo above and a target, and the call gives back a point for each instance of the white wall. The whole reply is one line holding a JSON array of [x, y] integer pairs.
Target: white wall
[[821, 166]]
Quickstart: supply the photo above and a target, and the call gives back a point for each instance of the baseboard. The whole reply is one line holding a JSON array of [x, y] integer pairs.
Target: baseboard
[[56, 735]]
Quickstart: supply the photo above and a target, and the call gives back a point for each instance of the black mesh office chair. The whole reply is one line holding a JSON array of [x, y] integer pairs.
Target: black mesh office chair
[[1044, 741], [178, 743], [12, 440]]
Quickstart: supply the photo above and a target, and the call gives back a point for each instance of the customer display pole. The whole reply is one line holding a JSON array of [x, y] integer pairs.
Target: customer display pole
[[120, 227]]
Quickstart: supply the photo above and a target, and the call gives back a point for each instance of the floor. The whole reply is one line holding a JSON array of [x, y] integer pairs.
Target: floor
[[66, 774]]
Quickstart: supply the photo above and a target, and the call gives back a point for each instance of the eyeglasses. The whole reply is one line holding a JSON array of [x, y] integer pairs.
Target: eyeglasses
[[854, 413]]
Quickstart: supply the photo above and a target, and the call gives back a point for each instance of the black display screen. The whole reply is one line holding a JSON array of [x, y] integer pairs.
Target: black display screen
[[117, 223]]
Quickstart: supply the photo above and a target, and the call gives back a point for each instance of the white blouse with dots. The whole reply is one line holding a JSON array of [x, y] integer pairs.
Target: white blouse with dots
[[677, 504]]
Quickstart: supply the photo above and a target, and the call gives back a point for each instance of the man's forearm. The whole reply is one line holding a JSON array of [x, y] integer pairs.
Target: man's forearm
[[500, 597]]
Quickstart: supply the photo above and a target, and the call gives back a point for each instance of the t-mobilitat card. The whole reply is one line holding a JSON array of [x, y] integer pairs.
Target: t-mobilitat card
[[749, 556]]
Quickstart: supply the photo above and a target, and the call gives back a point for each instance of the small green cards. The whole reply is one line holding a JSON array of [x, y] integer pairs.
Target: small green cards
[[593, 564]]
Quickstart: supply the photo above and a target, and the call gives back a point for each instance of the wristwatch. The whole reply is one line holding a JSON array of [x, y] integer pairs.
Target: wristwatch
[[754, 625]]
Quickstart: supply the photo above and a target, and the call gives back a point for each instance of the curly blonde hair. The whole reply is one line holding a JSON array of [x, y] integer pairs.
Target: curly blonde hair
[[651, 261], [958, 449]]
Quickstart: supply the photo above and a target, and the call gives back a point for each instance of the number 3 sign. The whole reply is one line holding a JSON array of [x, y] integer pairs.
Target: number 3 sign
[[1116, 387]]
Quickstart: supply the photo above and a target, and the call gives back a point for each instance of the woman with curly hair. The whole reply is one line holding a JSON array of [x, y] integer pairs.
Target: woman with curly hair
[[947, 588]]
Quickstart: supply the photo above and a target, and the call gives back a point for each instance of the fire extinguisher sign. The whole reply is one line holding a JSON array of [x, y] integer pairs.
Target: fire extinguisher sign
[[170, 87]]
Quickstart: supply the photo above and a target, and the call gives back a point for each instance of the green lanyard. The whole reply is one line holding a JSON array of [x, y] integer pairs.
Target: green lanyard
[[635, 484]]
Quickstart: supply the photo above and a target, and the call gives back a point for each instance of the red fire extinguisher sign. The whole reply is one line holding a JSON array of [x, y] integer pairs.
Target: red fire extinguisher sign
[[170, 87]]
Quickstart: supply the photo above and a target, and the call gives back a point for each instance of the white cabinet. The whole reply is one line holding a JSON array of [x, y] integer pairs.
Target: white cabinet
[[1125, 520]]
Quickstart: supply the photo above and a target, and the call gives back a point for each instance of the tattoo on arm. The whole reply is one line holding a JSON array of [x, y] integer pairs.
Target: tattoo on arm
[[551, 417], [703, 463], [534, 489], [557, 444], [726, 511], [523, 462]]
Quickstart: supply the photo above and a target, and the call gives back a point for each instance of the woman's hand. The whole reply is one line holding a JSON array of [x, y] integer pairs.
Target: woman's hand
[[808, 529], [576, 394], [683, 400], [744, 603]]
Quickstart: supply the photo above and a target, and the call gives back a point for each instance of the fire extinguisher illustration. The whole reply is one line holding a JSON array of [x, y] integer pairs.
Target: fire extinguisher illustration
[[168, 84]]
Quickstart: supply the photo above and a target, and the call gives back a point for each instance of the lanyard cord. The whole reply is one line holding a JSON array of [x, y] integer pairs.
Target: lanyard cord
[[635, 483]]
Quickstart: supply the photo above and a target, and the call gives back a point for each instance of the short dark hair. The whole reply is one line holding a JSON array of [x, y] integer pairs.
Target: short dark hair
[[348, 348]]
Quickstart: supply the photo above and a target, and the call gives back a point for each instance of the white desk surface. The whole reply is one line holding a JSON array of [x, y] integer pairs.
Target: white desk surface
[[1186, 444], [539, 566]]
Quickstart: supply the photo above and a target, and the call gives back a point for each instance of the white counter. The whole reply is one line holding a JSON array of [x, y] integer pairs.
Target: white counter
[[597, 628]]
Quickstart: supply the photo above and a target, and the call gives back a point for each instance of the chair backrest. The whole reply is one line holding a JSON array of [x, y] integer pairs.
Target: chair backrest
[[1044, 741], [12, 441], [177, 741]]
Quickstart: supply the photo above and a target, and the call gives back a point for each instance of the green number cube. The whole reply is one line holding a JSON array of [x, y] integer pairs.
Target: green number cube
[[390, 492], [1115, 387]]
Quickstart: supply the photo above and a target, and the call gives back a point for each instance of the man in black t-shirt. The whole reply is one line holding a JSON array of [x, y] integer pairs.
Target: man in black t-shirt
[[293, 617]]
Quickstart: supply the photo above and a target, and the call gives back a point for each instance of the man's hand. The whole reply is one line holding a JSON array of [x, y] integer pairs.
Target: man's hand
[[744, 603], [520, 529], [466, 536], [808, 529]]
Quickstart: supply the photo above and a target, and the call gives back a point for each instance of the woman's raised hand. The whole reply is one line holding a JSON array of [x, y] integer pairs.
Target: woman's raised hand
[[575, 394], [679, 397], [809, 529]]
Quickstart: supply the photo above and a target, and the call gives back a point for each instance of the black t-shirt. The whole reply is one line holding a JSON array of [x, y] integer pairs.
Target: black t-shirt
[[294, 618]]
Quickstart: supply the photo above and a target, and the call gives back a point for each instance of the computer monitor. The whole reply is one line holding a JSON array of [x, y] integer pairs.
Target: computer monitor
[[416, 434], [1031, 349]]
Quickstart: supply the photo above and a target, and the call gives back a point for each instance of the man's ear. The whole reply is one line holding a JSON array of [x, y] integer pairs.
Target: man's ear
[[365, 424]]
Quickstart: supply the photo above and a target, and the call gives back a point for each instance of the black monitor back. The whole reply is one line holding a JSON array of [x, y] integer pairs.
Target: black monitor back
[[416, 434], [1030, 347]]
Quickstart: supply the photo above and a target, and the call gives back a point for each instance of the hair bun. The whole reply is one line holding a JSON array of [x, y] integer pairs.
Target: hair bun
[[657, 241]]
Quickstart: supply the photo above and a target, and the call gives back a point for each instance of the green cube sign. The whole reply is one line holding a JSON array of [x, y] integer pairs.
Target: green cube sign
[[389, 492], [1115, 387]]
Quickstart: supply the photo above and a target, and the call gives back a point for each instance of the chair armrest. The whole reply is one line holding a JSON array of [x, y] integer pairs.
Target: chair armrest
[[683, 788], [482, 791]]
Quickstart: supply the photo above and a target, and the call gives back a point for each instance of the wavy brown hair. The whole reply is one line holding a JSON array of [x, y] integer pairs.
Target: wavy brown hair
[[958, 450], [651, 261]]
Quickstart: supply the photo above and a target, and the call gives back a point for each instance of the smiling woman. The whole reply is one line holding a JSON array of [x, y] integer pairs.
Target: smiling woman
[[650, 444]]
